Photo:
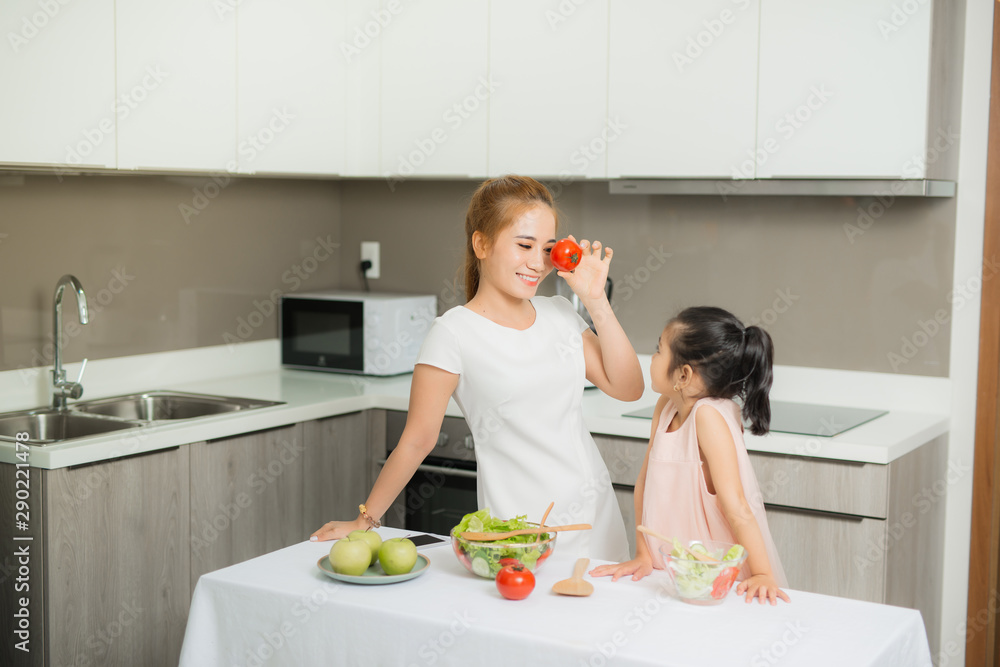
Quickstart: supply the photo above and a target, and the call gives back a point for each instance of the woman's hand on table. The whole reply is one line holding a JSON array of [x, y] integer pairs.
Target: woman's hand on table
[[761, 586], [334, 530], [637, 567]]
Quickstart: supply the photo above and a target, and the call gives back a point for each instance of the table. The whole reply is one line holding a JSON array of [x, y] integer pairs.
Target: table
[[279, 609]]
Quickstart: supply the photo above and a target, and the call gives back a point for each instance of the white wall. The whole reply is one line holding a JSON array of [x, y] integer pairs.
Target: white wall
[[965, 326]]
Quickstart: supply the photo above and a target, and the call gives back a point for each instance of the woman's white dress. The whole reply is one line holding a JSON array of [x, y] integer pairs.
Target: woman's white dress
[[521, 393]]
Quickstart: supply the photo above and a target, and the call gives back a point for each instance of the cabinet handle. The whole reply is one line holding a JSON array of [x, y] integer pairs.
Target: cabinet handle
[[123, 458], [454, 472], [830, 515]]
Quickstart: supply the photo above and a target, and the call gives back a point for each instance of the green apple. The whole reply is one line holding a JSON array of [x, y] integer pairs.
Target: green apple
[[397, 556], [350, 556], [371, 537]]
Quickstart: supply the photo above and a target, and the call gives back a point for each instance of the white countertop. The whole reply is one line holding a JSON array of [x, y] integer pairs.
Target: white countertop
[[911, 422]]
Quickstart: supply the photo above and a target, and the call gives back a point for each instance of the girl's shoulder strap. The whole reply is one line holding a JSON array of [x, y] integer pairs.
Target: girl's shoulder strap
[[727, 407]]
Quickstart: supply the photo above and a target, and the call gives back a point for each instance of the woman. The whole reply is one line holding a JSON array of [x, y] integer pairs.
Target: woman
[[516, 363]]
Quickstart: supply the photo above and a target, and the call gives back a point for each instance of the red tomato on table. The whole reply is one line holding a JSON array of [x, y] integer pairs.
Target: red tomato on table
[[566, 255], [515, 582]]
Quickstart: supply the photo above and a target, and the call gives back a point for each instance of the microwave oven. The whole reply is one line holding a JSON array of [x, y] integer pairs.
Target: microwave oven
[[369, 333]]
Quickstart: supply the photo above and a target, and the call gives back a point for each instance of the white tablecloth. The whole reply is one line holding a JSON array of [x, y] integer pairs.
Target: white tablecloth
[[279, 609]]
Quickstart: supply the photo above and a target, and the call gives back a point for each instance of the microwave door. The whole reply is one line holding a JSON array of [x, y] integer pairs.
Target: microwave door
[[322, 334]]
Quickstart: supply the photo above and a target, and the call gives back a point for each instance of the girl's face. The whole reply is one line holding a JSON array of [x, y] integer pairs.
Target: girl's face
[[658, 374], [519, 258], [662, 380]]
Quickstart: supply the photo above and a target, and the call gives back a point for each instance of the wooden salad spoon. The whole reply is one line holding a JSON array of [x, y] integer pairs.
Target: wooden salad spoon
[[575, 585], [489, 537], [544, 517]]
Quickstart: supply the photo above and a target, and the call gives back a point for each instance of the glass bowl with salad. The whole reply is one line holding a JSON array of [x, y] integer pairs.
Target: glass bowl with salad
[[486, 559], [703, 572]]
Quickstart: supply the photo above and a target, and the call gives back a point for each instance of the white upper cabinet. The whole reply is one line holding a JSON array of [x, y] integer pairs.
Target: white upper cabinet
[[291, 82], [57, 74], [435, 89], [367, 23], [843, 89], [177, 85], [682, 85], [549, 73]]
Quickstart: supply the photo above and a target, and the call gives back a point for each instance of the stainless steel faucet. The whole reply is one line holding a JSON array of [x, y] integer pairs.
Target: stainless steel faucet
[[61, 389]]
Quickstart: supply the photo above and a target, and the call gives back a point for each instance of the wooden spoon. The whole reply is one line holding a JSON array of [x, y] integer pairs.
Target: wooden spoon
[[489, 537], [544, 517], [575, 585], [666, 540]]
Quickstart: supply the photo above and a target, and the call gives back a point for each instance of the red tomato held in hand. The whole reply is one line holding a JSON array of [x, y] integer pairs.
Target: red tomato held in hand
[[723, 582], [566, 255], [515, 582]]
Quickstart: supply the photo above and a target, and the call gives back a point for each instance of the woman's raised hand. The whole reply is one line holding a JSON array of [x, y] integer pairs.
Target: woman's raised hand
[[588, 278]]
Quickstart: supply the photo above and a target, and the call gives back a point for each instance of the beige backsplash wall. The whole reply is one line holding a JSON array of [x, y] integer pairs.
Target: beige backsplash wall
[[158, 282], [834, 291], [155, 280]]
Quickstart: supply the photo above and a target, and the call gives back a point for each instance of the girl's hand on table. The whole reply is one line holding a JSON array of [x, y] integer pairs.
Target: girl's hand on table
[[588, 278], [637, 567], [334, 530], [761, 586]]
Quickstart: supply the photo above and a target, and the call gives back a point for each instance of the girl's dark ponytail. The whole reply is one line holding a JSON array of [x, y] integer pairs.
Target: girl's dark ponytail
[[731, 359], [757, 360]]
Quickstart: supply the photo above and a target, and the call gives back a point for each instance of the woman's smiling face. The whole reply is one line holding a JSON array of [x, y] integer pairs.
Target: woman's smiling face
[[519, 258]]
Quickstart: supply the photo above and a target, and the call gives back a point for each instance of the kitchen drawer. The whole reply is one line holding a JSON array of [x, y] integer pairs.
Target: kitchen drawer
[[454, 440], [831, 554], [623, 456], [843, 487]]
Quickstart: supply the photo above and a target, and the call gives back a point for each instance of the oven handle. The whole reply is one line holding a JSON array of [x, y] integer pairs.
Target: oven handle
[[454, 472]]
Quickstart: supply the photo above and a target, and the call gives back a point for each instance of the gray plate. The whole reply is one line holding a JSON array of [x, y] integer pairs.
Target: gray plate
[[374, 574]]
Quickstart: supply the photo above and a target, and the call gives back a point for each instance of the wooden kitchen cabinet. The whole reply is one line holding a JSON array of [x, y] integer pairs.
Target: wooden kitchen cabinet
[[436, 90], [549, 66], [292, 78], [110, 562], [843, 89], [862, 531], [336, 464], [176, 74], [682, 84], [246, 497], [22, 575], [57, 71]]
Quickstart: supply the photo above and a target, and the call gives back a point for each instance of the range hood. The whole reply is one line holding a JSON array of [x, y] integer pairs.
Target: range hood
[[783, 187]]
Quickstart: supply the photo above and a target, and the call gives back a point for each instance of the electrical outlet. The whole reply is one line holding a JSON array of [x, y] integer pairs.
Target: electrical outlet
[[370, 250]]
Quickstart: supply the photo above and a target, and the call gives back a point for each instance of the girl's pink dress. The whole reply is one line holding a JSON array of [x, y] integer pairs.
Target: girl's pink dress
[[676, 501]]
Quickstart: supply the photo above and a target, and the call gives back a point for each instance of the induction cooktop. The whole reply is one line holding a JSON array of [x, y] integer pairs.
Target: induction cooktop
[[803, 418]]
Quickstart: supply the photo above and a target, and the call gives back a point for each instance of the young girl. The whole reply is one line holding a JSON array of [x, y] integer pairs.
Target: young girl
[[516, 364], [697, 481]]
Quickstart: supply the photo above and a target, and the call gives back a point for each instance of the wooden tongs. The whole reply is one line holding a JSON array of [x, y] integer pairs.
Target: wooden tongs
[[489, 537]]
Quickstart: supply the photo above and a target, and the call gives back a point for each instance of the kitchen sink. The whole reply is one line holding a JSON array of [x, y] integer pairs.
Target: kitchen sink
[[46, 426], [167, 405], [118, 413]]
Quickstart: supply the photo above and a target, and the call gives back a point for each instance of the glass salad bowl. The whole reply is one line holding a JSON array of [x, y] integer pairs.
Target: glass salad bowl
[[703, 572], [486, 559]]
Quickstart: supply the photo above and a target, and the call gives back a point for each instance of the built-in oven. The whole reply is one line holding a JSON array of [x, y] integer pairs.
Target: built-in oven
[[443, 490]]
